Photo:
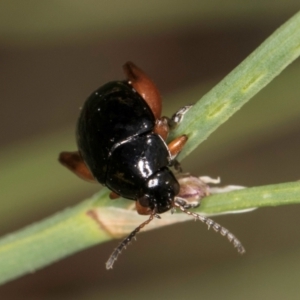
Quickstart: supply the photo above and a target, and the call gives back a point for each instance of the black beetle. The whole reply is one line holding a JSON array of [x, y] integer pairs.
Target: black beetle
[[121, 140]]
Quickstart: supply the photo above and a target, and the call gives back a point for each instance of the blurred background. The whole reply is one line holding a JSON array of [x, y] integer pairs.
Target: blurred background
[[53, 54]]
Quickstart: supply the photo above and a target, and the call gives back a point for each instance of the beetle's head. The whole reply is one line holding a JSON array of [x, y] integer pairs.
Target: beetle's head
[[159, 192]]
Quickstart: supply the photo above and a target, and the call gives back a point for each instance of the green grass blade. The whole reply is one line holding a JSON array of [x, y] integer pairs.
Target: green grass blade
[[253, 74], [268, 195], [74, 229], [49, 240]]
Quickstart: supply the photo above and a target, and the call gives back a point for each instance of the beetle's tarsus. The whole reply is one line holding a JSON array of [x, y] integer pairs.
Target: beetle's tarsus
[[178, 116]]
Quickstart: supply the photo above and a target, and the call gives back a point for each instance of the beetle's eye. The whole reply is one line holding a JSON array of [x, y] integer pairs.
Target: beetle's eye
[[144, 201]]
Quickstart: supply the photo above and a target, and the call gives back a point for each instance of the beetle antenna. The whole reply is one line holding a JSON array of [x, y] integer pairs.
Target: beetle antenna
[[113, 257], [180, 202]]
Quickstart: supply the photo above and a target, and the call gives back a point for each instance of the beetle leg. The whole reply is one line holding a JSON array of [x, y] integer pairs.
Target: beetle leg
[[142, 210], [144, 86], [176, 145], [162, 127], [114, 196], [177, 166], [178, 116], [74, 162], [187, 205]]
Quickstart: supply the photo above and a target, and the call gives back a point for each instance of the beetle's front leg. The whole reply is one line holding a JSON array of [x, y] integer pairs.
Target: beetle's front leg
[[177, 145], [186, 204], [176, 165], [162, 128]]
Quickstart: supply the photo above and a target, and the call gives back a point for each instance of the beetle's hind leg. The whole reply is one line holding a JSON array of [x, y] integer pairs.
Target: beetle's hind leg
[[74, 162], [186, 204]]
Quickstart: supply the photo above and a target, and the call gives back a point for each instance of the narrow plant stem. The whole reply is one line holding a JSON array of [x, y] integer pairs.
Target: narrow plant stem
[[239, 86], [263, 196], [74, 229], [50, 240]]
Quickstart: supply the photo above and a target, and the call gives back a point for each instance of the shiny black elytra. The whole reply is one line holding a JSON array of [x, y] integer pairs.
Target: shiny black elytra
[[121, 141], [116, 140]]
